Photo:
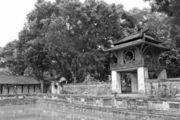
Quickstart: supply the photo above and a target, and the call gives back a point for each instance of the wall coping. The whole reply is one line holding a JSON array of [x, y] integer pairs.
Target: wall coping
[[145, 98], [89, 96], [163, 80], [83, 85]]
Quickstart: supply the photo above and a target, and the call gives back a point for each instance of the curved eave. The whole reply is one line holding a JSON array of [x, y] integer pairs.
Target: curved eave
[[158, 46], [134, 43], [125, 45], [129, 38]]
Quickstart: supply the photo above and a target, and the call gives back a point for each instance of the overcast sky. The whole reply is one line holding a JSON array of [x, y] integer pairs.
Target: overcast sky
[[13, 15]]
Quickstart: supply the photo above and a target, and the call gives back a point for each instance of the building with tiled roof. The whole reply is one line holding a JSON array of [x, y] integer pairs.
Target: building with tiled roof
[[10, 84]]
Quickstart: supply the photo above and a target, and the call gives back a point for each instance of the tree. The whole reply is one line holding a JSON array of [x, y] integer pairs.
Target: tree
[[154, 21], [12, 59], [32, 39], [68, 36], [172, 9], [84, 28]]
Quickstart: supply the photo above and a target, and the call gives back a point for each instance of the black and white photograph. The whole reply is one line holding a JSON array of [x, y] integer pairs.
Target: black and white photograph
[[90, 60]]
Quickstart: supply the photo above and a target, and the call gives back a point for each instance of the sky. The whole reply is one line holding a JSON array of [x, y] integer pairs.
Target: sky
[[13, 15]]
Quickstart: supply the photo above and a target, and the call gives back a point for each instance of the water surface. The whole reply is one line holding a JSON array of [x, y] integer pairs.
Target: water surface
[[38, 112], [32, 112]]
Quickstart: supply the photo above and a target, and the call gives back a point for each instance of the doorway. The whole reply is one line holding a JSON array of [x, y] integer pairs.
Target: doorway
[[126, 83], [129, 83]]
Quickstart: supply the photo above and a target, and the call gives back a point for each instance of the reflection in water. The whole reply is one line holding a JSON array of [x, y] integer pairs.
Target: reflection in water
[[31, 112], [37, 112]]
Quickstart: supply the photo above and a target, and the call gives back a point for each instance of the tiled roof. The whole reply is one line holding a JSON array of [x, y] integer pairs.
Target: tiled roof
[[127, 39], [136, 37], [117, 47], [133, 43], [10, 79]]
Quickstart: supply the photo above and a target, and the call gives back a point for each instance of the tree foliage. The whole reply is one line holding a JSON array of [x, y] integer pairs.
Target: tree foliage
[[154, 21], [172, 9], [67, 37]]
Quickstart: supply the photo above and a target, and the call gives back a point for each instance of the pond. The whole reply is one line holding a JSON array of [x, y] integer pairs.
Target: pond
[[37, 112], [34, 112]]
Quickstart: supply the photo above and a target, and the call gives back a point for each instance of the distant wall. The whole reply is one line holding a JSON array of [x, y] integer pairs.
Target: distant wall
[[97, 89], [162, 88], [168, 88]]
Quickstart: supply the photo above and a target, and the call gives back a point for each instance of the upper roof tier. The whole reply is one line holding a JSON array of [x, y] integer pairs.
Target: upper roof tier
[[136, 39]]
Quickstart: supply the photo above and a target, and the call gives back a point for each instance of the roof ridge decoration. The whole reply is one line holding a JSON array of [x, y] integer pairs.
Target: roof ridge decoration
[[139, 35], [136, 39]]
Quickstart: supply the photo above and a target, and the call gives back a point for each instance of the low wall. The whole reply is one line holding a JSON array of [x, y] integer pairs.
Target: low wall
[[120, 107], [20, 99], [156, 88], [169, 88], [98, 89], [137, 106]]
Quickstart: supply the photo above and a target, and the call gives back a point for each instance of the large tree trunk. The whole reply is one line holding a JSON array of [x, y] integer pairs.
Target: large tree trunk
[[39, 76], [41, 86]]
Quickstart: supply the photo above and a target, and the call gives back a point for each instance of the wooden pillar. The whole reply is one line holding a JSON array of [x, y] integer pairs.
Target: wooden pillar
[[22, 89], [28, 88], [5, 89], [34, 88], [42, 86], [1, 88], [8, 89]]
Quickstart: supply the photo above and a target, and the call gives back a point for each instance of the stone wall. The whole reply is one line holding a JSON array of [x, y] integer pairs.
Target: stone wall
[[16, 100], [122, 108], [152, 109], [158, 88], [168, 88], [97, 89]]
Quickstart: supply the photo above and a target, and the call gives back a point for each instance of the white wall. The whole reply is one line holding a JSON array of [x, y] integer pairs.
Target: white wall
[[25, 89], [55, 90], [31, 88], [19, 89], [142, 75], [116, 81], [5, 90]]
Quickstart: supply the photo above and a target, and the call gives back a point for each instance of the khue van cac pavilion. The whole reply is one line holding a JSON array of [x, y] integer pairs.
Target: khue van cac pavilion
[[133, 59]]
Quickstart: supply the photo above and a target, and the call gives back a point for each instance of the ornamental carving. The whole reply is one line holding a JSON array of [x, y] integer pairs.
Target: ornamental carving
[[148, 56], [129, 56]]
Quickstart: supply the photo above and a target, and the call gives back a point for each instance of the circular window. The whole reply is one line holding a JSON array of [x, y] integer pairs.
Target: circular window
[[148, 56], [129, 56]]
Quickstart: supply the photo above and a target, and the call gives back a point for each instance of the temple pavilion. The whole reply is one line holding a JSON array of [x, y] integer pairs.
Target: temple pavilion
[[134, 60]]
